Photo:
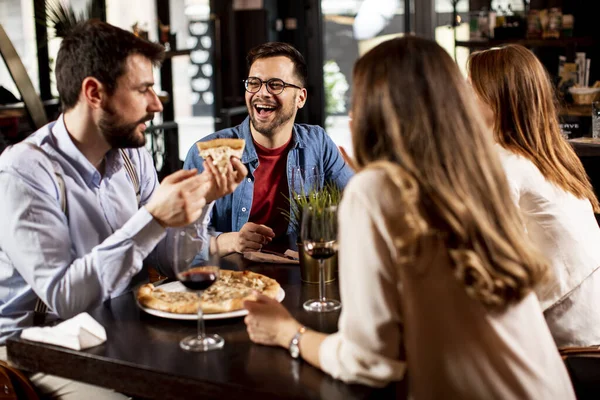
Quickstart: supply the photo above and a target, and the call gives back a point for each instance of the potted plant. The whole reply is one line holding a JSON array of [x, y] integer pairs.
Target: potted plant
[[329, 195], [61, 17]]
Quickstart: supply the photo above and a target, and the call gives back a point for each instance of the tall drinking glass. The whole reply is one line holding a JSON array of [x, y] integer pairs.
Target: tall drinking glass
[[305, 181], [197, 274], [319, 238]]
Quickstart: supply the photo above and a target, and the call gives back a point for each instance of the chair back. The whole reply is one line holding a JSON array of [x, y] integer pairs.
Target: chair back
[[583, 364]]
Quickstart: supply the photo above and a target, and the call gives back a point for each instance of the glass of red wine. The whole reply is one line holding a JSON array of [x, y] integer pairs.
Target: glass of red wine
[[197, 272], [319, 238]]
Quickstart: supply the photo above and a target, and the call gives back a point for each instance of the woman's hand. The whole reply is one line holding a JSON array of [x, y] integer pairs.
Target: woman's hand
[[349, 160], [268, 322]]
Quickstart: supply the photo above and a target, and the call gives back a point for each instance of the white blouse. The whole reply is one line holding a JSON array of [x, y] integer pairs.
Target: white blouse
[[420, 318], [565, 230]]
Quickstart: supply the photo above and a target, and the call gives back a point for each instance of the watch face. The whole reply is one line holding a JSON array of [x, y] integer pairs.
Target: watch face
[[294, 350]]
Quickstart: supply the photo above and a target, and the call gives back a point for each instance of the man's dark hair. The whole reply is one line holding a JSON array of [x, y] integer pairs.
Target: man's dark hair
[[97, 49], [276, 49]]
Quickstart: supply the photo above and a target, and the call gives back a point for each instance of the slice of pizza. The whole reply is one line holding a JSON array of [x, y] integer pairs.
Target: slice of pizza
[[221, 150], [173, 302], [234, 287]]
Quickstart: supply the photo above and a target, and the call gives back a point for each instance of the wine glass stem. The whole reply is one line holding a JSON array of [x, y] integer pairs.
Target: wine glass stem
[[322, 280], [200, 318]]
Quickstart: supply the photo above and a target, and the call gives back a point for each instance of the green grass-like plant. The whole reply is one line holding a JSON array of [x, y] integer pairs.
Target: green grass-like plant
[[319, 199]]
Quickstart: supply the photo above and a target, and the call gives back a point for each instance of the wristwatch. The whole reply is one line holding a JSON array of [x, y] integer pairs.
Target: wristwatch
[[295, 343]]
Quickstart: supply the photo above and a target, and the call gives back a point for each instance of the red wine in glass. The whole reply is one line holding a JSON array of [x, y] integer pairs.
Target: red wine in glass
[[197, 274], [321, 250], [319, 237], [200, 278]]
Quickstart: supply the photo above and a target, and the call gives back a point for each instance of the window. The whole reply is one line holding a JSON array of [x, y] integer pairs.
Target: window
[[16, 17], [351, 28]]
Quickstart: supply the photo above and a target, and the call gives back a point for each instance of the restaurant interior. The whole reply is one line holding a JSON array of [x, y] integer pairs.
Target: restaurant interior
[[200, 87]]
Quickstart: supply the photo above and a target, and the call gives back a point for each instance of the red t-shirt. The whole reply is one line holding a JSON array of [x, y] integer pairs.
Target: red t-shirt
[[271, 188]]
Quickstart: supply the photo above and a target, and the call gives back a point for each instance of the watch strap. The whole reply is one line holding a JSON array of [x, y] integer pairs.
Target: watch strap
[[294, 347]]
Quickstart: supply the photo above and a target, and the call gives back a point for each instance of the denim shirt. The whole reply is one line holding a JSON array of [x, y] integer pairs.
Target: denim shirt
[[311, 148]]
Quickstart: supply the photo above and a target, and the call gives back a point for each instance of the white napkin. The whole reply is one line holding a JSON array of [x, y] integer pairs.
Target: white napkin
[[78, 333], [258, 256]]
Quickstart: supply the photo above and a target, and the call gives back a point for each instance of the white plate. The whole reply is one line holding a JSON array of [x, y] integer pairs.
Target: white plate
[[177, 286]]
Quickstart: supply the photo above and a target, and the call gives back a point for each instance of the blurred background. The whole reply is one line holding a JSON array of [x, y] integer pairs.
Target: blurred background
[[207, 41]]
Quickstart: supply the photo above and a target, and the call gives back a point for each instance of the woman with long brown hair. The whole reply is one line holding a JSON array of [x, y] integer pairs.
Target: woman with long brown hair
[[548, 183], [436, 275]]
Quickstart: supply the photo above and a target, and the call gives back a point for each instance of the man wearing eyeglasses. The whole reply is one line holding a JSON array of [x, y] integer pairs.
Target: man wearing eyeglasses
[[275, 146]]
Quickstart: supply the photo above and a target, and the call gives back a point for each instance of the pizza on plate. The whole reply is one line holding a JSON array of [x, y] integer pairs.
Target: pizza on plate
[[225, 295], [221, 150]]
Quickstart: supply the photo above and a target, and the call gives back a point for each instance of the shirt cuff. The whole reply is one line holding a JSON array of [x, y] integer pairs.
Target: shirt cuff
[[144, 230], [328, 355], [343, 360], [205, 220], [206, 213]]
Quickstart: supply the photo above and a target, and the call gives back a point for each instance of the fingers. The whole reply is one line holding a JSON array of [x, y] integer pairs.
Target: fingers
[[344, 153], [265, 320], [255, 238], [262, 299], [351, 163], [264, 230], [260, 305], [212, 169], [247, 245], [231, 176], [190, 183], [249, 305], [180, 175], [239, 168], [195, 200], [223, 182]]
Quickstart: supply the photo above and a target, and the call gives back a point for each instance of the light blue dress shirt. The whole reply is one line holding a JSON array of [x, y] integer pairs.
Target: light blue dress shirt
[[76, 261]]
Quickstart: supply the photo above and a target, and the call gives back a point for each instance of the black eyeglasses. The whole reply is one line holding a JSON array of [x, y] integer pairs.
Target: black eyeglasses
[[274, 85]]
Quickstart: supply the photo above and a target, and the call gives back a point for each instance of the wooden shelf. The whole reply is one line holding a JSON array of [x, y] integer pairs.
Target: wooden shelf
[[586, 146], [563, 42], [576, 110], [174, 53]]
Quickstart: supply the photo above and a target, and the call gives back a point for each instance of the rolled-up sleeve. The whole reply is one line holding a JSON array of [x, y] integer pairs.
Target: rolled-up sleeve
[[367, 347]]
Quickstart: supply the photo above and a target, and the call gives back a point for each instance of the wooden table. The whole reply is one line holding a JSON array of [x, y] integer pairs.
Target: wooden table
[[586, 146], [142, 356]]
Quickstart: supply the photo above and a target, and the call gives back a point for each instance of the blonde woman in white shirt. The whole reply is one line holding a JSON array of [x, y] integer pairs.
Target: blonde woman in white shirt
[[550, 186], [435, 272]]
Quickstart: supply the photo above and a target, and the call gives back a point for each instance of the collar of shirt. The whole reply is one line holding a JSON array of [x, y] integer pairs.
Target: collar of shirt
[[65, 146], [250, 151]]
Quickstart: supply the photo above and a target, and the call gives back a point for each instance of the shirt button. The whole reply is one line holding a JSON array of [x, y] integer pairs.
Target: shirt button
[[249, 179], [243, 209]]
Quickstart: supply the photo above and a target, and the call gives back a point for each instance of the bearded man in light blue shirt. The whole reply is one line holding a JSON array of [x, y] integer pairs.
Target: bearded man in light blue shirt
[[74, 231]]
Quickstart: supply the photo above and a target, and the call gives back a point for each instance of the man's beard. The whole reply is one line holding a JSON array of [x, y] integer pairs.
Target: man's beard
[[269, 128], [119, 135]]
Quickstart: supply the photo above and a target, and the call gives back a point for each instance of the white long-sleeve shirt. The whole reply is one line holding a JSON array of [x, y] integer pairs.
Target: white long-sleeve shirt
[[565, 230], [95, 251], [419, 317]]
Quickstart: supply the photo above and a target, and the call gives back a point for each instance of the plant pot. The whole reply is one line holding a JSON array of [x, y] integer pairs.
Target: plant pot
[[309, 267]]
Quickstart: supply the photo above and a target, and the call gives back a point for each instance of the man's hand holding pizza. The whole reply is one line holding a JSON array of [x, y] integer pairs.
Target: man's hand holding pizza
[[223, 184], [179, 199]]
